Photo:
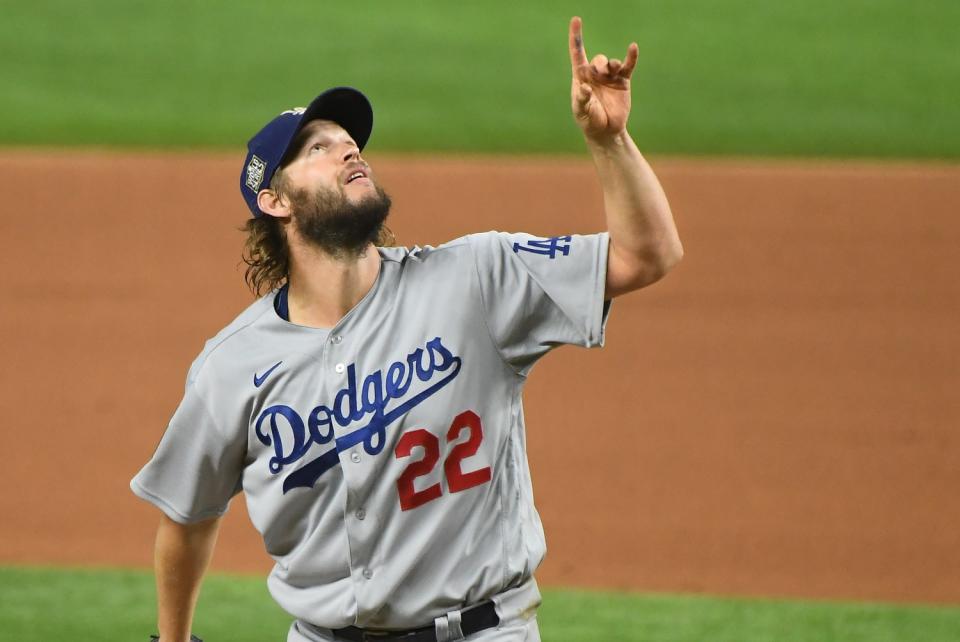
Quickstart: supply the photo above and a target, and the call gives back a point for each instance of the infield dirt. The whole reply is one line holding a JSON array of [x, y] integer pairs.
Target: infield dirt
[[779, 416]]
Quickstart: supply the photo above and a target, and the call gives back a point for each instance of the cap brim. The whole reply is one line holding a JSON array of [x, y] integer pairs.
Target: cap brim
[[345, 106]]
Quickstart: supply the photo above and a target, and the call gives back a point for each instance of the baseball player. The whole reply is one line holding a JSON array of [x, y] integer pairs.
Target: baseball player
[[369, 405]]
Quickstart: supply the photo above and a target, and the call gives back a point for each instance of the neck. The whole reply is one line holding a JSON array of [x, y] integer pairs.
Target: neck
[[324, 288]]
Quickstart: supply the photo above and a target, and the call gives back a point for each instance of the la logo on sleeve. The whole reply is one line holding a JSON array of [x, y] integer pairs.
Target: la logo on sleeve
[[546, 247]]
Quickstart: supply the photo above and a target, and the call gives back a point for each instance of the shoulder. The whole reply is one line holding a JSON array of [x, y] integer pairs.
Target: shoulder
[[454, 250], [467, 254], [257, 313]]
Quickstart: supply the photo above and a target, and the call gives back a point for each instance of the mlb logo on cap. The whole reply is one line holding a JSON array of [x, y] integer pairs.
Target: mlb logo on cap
[[345, 106]]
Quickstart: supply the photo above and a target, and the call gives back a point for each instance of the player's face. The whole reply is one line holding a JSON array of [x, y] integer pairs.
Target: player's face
[[335, 204], [329, 158]]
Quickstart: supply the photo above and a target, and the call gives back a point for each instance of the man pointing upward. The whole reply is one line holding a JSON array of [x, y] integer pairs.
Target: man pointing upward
[[369, 402]]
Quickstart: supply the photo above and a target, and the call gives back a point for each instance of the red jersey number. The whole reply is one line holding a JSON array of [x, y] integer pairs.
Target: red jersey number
[[409, 496], [457, 480]]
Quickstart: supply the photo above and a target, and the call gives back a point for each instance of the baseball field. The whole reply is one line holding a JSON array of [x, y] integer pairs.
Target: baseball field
[[766, 449]]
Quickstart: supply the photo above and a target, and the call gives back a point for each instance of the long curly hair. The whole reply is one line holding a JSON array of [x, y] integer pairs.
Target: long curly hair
[[265, 249]]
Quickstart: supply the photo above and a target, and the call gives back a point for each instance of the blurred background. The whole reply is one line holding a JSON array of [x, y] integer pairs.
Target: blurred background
[[767, 447]]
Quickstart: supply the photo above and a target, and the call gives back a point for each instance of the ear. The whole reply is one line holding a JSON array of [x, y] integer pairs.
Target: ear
[[273, 204]]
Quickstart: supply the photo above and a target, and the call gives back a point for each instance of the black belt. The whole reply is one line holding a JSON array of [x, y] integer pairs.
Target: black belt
[[476, 619]]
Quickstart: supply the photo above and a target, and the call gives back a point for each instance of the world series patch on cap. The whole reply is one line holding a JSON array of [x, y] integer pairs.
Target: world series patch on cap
[[346, 106]]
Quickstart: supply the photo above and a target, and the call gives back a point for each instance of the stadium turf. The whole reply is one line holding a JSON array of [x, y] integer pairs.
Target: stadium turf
[[44, 604], [864, 78]]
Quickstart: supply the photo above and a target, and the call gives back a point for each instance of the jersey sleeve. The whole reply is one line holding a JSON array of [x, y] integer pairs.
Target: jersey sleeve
[[539, 293], [197, 468]]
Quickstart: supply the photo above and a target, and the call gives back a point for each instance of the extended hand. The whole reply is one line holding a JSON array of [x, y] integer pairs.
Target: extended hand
[[600, 91]]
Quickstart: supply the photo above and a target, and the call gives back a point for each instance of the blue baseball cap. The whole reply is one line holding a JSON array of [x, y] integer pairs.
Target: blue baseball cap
[[345, 106]]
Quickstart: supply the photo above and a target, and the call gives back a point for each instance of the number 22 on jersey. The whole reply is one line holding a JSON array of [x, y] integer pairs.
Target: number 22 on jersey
[[457, 479]]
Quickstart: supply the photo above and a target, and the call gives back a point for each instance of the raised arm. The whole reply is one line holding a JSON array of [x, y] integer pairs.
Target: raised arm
[[644, 243], [181, 557]]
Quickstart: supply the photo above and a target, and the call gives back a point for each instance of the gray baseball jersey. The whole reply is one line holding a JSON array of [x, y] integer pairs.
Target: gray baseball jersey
[[384, 460]]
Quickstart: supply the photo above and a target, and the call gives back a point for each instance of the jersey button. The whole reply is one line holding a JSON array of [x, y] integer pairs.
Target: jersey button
[[367, 573], [361, 514], [336, 339], [339, 368], [355, 458]]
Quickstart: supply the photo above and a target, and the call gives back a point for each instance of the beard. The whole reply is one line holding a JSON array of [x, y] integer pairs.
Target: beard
[[336, 225]]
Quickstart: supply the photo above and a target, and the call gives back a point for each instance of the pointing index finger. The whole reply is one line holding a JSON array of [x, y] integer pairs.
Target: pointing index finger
[[578, 57]]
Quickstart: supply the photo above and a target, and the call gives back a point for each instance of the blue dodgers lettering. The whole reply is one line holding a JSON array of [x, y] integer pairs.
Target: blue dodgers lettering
[[319, 417], [299, 446], [291, 438], [394, 378]]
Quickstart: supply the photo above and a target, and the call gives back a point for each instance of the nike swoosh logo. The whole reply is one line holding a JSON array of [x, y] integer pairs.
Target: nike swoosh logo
[[258, 381]]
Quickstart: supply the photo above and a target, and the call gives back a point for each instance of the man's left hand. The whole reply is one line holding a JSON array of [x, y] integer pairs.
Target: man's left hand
[[600, 90]]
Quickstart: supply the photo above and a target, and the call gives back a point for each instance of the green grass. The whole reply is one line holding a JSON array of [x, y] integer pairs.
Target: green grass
[[816, 78], [43, 605]]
